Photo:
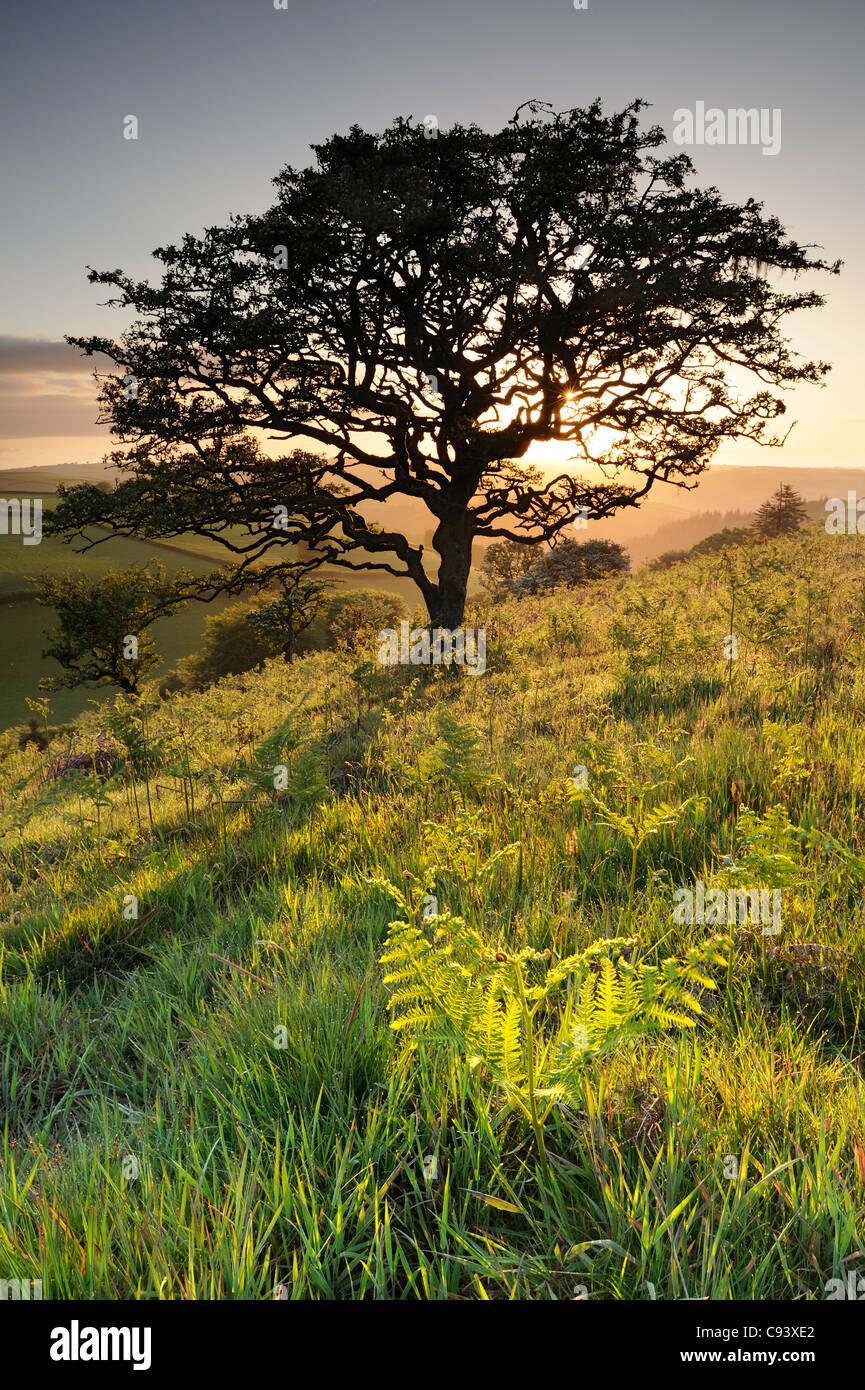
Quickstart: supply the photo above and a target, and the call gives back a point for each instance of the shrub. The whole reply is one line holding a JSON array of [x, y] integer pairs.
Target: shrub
[[572, 564], [229, 646], [232, 644], [354, 616]]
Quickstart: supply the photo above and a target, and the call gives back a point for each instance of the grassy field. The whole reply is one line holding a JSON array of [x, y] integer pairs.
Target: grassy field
[[22, 666], [23, 623], [203, 1093]]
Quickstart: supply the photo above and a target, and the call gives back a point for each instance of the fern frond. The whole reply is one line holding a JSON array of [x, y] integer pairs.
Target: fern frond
[[505, 1011]]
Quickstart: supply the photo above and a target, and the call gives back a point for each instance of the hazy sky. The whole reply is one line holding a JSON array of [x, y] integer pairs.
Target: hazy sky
[[227, 91]]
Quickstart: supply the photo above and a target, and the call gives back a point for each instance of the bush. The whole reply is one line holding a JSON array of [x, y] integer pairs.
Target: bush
[[667, 559], [503, 565], [711, 545], [229, 646], [351, 617], [571, 564]]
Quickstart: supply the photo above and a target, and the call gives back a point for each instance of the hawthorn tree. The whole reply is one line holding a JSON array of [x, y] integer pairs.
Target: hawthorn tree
[[413, 314], [571, 564], [102, 637], [504, 563], [509, 568]]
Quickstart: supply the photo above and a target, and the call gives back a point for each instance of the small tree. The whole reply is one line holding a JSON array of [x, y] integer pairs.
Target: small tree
[[282, 619], [102, 638], [571, 564], [781, 515], [356, 616]]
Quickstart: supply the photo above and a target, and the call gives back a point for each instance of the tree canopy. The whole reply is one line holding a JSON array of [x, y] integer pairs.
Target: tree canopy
[[570, 564], [412, 315], [511, 568]]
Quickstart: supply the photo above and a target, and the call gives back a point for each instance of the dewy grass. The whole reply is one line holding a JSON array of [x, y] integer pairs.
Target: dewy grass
[[202, 1094]]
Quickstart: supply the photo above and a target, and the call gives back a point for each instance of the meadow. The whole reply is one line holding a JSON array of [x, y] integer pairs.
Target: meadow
[[23, 623], [204, 1096]]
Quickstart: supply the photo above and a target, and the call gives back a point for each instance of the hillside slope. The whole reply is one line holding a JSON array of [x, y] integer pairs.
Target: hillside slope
[[203, 1094]]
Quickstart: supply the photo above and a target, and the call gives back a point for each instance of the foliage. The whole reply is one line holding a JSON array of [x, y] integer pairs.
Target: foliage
[[234, 1038], [570, 564], [529, 1021], [711, 545], [407, 291], [513, 569], [668, 558], [98, 616], [279, 621], [456, 758], [504, 563], [246, 634], [357, 616], [230, 644], [722, 540], [637, 821]]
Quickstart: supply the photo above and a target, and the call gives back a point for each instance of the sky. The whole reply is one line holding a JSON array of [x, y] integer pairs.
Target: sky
[[226, 92]]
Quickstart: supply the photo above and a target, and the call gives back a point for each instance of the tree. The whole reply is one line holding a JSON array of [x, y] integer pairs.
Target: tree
[[667, 559], [571, 564], [102, 638], [355, 615], [503, 564], [412, 315], [782, 514], [282, 619], [722, 540]]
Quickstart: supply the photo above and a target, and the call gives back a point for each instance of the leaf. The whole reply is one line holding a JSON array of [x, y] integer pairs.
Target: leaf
[[498, 1202], [604, 1244]]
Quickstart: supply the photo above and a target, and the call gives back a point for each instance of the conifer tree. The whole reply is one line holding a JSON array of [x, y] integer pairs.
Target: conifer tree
[[782, 514]]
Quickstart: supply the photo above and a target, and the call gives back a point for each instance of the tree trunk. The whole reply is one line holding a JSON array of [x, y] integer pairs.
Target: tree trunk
[[453, 542]]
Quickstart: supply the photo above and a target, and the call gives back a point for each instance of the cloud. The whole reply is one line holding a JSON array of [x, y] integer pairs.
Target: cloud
[[46, 389], [26, 356]]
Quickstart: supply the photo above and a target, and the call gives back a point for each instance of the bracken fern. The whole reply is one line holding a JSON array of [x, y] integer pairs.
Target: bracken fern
[[531, 1022]]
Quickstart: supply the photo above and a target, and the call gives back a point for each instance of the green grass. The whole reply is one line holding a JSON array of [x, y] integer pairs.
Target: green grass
[[304, 1168], [20, 562], [23, 623]]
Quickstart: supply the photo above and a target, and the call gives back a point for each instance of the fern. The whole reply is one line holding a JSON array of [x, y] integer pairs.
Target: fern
[[456, 757], [637, 823], [531, 1022]]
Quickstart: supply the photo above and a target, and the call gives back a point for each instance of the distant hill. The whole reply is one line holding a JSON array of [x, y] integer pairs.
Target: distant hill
[[676, 519], [683, 534], [42, 479], [670, 518]]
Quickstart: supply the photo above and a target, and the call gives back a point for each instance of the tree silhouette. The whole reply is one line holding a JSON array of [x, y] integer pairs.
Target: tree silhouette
[[780, 515], [412, 315]]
